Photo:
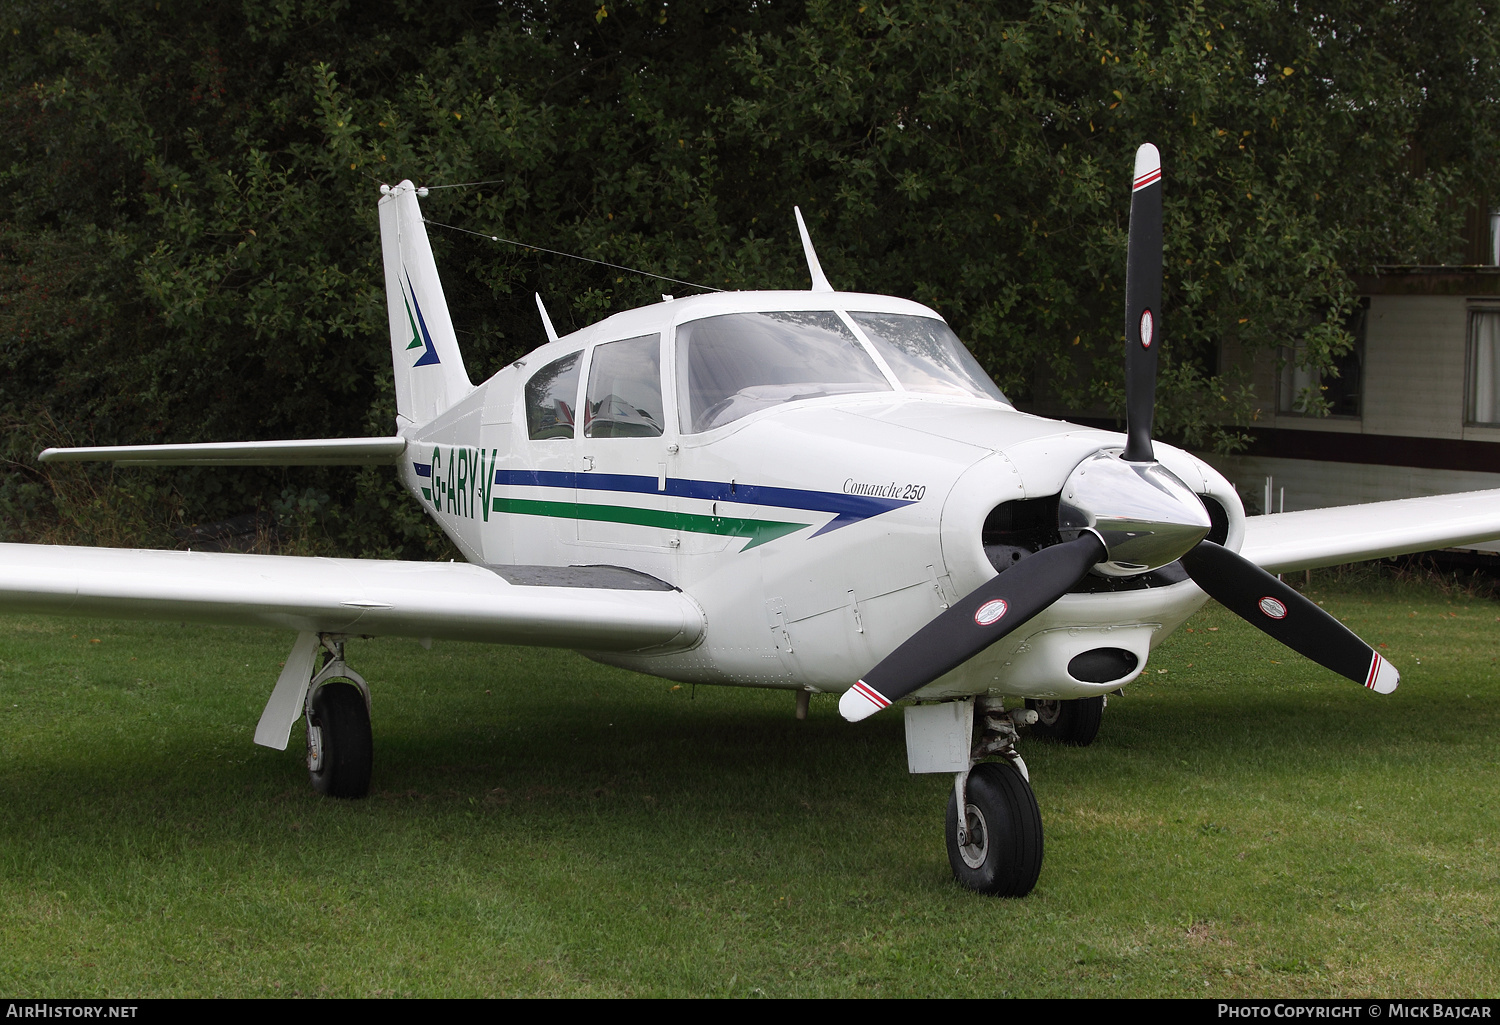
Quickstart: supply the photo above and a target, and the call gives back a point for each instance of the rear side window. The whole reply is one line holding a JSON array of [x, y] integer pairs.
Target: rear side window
[[550, 395], [625, 390]]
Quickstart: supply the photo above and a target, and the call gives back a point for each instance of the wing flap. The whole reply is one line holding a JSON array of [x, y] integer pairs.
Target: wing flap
[[305, 452], [1311, 538], [455, 601]]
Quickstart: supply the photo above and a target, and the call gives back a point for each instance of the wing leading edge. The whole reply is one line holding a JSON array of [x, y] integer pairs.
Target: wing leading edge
[[455, 601], [1350, 533]]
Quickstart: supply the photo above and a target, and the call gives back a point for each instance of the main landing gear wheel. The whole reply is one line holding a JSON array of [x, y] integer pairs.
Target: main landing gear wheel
[[1073, 722], [340, 749], [1002, 853]]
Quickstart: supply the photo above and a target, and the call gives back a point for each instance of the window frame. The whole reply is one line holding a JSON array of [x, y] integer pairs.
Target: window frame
[[1471, 358], [1286, 354]]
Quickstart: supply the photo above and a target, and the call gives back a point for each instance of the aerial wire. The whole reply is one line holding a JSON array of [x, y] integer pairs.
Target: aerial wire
[[544, 249], [570, 256], [464, 185]]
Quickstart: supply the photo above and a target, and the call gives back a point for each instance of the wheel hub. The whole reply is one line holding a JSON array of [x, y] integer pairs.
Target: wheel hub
[[976, 847], [1047, 712]]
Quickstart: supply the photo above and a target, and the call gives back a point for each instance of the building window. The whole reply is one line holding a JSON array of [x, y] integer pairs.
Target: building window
[[1297, 387], [1484, 367]]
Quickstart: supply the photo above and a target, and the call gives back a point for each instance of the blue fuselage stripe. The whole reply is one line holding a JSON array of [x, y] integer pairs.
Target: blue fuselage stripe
[[849, 508]]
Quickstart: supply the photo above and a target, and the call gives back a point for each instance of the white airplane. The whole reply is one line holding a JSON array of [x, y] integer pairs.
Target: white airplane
[[818, 491]]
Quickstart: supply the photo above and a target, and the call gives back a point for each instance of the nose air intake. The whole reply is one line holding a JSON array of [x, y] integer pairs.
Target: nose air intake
[[1121, 514], [1102, 665]]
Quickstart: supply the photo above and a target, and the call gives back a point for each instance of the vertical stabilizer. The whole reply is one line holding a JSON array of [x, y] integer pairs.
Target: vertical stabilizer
[[430, 374]]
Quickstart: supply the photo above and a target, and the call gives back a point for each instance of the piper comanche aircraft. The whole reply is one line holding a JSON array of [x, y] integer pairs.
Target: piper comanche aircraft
[[820, 491]]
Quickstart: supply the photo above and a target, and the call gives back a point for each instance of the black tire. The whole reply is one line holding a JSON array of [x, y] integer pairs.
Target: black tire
[[348, 750], [1073, 722], [1004, 855]]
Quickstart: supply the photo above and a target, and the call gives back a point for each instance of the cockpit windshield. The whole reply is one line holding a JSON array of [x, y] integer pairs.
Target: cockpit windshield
[[926, 356], [732, 365]]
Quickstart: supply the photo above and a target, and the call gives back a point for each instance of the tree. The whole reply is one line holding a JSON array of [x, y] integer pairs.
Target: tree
[[193, 253]]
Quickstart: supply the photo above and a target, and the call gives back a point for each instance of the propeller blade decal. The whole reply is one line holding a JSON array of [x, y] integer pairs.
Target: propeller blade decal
[[1265, 602], [989, 612], [1143, 304]]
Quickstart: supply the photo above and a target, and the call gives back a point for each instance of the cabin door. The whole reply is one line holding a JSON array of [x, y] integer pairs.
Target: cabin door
[[622, 453]]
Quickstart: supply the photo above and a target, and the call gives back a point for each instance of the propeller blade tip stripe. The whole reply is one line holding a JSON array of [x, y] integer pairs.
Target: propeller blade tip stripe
[[1147, 166], [1383, 677], [862, 701]]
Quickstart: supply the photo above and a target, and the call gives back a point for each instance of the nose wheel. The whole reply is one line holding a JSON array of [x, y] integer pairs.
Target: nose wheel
[[993, 826], [999, 849]]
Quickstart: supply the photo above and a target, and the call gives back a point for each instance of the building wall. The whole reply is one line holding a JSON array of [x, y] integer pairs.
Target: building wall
[[1415, 365], [1416, 361], [1415, 348]]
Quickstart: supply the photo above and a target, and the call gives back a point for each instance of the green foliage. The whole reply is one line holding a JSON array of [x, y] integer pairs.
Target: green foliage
[[192, 250]]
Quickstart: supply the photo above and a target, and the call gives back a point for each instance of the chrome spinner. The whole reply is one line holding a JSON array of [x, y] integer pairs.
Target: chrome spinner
[[1146, 516]]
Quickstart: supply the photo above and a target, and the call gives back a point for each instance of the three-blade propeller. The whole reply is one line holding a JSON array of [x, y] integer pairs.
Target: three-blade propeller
[[1145, 518]]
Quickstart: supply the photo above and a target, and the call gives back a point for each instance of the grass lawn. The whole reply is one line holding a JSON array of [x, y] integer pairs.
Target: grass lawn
[[1246, 824]]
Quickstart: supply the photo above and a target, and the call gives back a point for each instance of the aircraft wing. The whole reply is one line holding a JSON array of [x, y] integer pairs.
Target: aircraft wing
[[1349, 533], [458, 601]]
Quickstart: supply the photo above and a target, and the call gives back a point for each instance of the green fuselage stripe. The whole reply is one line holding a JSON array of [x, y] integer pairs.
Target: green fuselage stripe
[[758, 531]]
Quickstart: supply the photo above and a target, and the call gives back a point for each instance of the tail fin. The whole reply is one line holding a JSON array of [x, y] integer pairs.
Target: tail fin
[[430, 374]]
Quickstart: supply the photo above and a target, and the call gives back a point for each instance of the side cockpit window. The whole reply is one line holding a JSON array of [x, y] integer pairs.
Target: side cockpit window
[[550, 395], [624, 397]]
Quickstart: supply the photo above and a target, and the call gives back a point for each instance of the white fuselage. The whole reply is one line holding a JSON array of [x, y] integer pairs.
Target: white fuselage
[[816, 534]]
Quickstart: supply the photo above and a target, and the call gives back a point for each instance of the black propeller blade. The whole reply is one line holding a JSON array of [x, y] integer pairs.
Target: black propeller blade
[[997, 607], [989, 612], [1142, 304], [1265, 602]]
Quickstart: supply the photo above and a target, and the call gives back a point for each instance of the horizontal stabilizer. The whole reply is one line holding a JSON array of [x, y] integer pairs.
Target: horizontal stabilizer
[[308, 452], [1283, 542], [374, 597]]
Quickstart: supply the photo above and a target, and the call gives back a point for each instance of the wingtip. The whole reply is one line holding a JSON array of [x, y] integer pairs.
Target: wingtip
[[861, 701]]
